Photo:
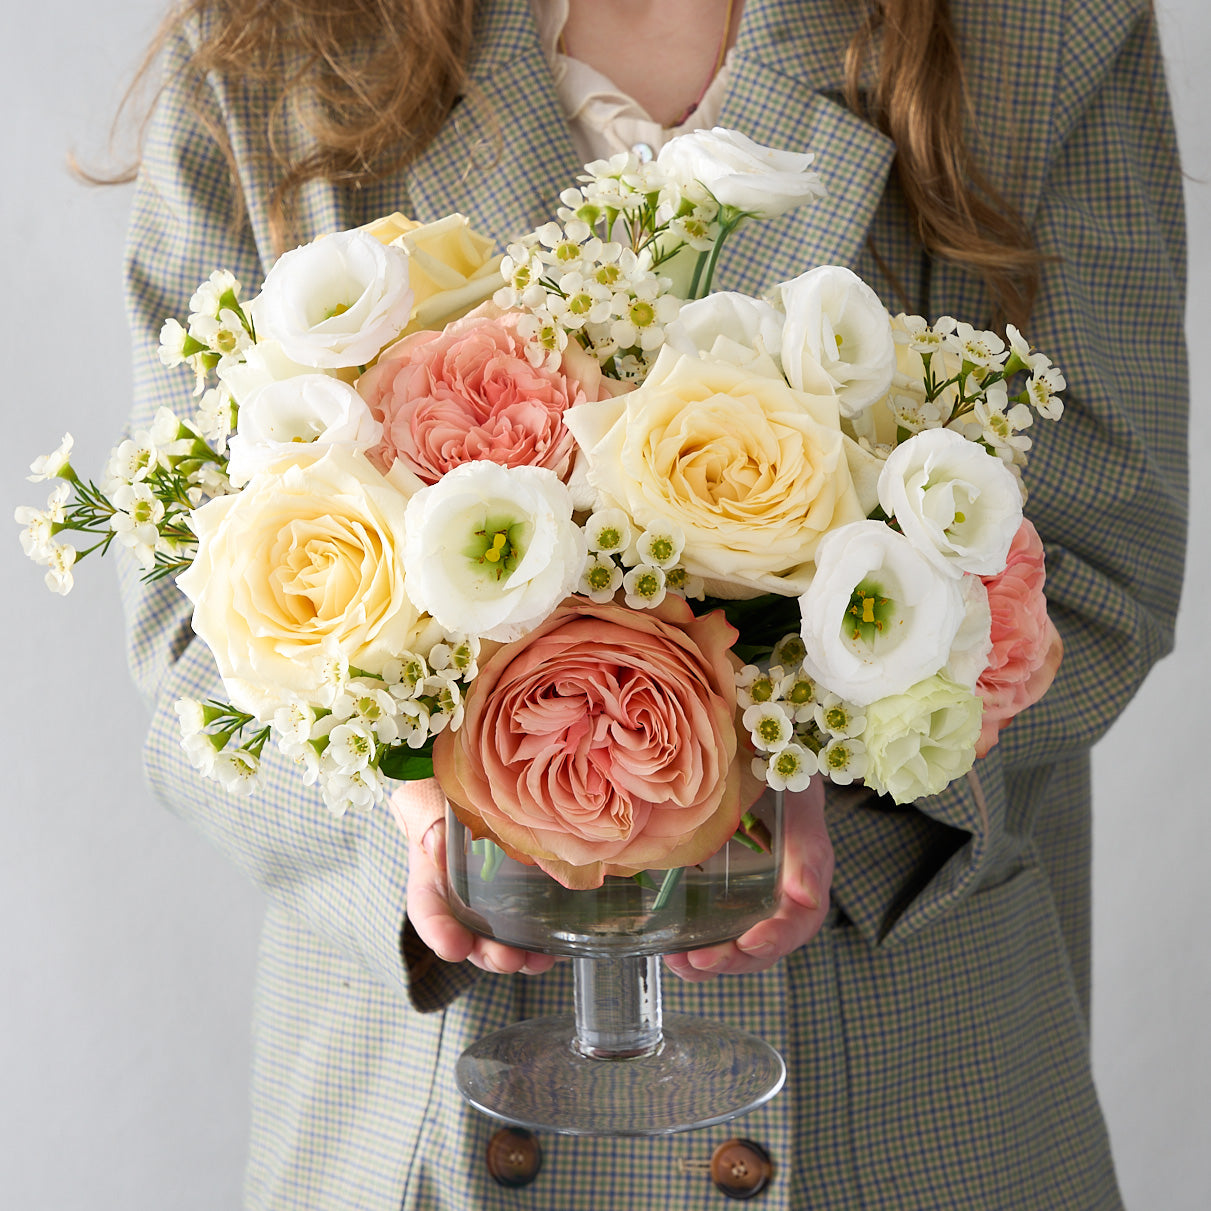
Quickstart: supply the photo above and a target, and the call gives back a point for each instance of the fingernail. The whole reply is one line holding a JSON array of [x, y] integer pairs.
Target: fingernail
[[755, 948], [812, 885], [431, 844]]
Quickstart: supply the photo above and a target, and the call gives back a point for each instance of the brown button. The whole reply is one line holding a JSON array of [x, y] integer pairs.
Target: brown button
[[741, 1168], [514, 1157]]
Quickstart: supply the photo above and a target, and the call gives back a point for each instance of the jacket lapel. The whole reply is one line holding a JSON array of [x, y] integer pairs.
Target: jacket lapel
[[786, 78], [506, 152]]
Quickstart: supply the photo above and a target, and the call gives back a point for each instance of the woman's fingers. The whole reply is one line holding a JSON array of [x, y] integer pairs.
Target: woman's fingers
[[807, 869], [419, 810]]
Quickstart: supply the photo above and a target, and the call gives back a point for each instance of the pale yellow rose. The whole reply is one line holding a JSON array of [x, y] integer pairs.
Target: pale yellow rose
[[452, 269], [303, 565], [751, 470]]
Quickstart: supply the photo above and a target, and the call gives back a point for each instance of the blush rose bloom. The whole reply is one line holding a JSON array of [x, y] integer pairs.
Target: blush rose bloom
[[753, 472], [1026, 647], [468, 393], [604, 742], [303, 564]]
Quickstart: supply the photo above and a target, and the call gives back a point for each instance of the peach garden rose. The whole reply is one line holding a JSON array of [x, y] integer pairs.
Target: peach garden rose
[[603, 743], [469, 393]]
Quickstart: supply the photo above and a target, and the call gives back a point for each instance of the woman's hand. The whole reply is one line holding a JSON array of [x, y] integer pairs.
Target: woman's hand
[[807, 867], [807, 871], [419, 809]]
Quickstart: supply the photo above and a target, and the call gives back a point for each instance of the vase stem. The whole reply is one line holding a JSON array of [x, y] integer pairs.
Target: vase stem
[[618, 1013]]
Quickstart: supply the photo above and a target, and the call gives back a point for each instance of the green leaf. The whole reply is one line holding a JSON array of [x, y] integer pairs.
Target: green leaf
[[407, 764]]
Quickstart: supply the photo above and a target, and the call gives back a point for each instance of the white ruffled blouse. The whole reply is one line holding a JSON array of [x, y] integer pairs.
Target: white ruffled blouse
[[603, 119]]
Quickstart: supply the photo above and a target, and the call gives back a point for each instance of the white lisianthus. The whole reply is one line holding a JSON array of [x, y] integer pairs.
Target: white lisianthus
[[731, 327], [835, 323], [956, 503], [761, 181], [337, 301], [920, 740], [264, 363], [491, 550], [305, 409], [878, 616], [973, 643]]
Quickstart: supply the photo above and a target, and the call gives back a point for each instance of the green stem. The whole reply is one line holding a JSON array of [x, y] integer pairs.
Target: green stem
[[667, 887]]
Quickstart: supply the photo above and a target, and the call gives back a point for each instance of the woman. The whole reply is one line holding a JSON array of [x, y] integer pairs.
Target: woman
[[934, 1026]]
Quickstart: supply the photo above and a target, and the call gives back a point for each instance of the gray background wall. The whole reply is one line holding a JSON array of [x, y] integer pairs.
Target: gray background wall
[[127, 945]]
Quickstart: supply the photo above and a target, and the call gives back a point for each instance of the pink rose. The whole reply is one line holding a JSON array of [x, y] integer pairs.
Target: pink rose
[[468, 392], [1026, 647], [602, 743]]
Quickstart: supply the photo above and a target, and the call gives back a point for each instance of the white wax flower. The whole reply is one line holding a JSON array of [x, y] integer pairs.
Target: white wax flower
[[491, 550], [730, 327], [309, 408], [836, 324], [761, 181], [956, 503], [337, 301], [878, 616]]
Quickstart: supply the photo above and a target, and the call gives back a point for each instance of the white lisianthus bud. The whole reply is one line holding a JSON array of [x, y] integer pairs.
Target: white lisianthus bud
[[956, 503], [263, 363], [836, 324], [761, 181], [730, 327], [309, 408], [491, 550], [878, 616], [337, 301]]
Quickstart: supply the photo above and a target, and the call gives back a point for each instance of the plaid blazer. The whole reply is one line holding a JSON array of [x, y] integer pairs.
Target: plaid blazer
[[935, 1031]]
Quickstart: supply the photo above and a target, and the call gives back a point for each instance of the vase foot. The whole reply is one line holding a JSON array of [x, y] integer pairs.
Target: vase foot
[[534, 1075]]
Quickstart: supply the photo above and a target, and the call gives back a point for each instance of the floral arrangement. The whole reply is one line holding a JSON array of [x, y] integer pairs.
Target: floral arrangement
[[603, 549]]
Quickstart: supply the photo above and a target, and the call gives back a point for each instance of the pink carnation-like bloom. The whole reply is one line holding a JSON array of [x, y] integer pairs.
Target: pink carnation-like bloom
[[1026, 647], [468, 392], [602, 743]]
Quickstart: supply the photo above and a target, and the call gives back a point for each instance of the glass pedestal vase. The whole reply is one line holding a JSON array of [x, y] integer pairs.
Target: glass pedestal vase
[[617, 1065]]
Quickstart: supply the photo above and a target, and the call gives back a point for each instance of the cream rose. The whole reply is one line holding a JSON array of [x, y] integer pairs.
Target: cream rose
[[303, 565], [752, 471], [451, 268]]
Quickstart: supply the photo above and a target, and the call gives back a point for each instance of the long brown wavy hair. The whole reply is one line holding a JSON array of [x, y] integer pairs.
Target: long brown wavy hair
[[372, 81]]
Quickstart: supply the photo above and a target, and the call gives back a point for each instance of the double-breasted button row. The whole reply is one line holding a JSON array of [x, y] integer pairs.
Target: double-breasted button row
[[740, 1168]]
